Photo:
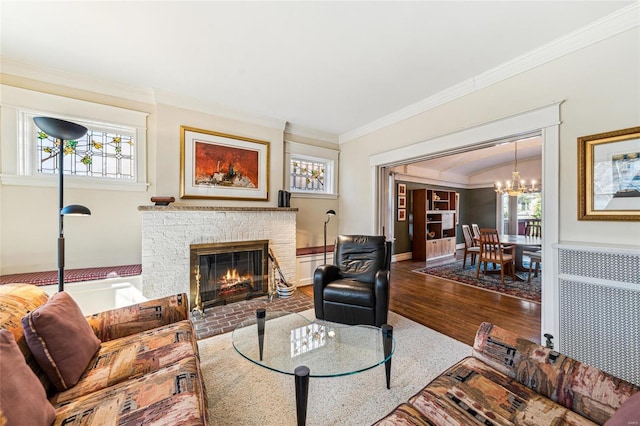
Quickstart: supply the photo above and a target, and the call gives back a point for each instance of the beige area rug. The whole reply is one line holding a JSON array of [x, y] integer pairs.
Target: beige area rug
[[242, 393]]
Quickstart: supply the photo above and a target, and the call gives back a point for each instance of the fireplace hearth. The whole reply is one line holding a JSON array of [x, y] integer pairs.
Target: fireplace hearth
[[222, 273]]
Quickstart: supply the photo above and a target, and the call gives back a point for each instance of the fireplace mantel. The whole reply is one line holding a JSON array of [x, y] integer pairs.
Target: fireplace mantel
[[214, 209]]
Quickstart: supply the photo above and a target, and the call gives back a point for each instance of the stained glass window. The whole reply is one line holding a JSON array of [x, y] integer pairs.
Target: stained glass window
[[311, 171], [308, 175], [100, 153]]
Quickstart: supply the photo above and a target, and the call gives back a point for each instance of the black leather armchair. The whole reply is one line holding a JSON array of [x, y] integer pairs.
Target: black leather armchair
[[355, 290]]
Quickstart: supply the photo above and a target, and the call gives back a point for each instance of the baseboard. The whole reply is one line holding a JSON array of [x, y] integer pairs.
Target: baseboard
[[401, 256]]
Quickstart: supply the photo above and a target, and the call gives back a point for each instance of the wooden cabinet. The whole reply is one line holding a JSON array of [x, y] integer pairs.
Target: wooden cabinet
[[434, 224], [433, 249], [440, 248]]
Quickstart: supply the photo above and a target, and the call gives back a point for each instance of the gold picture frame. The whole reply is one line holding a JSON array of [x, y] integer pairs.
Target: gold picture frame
[[609, 176], [217, 165]]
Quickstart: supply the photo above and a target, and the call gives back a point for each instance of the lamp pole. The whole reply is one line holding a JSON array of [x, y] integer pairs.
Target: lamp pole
[[61, 217], [329, 214]]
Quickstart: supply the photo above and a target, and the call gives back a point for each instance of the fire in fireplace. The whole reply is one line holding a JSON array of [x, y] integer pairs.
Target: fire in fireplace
[[222, 273]]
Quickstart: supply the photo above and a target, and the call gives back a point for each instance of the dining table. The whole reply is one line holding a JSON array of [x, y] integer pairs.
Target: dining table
[[520, 243]]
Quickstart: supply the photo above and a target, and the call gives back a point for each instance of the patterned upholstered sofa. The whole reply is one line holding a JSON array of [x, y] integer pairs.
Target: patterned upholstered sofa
[[145, 369], [512, 381]]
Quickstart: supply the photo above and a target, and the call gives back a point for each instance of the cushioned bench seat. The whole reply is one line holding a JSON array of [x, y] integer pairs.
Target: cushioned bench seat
[[72, 275]]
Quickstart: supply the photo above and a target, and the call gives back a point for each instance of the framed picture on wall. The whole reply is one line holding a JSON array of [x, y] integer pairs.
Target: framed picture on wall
[[609, 176], [402, 215], [402, 202], [218, 165], [402, 189]]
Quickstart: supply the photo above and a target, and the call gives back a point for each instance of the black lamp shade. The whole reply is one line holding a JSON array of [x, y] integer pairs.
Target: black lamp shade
[[331, 213], [60, 129], [75, 210]]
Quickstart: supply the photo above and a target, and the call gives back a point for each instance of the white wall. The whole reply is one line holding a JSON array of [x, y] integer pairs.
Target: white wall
[[112, 234], [600, 88], [599, 85], [29, 214], [312, 211], [166, 153]]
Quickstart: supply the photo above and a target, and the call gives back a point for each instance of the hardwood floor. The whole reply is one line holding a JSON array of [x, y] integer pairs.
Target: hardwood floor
[[455, 309]]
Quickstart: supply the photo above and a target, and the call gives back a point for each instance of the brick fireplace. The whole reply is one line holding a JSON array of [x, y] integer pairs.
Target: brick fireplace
[[228, 272], [169, 232]]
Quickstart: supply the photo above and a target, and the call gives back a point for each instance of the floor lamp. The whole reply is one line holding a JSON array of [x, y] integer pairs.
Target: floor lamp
[[62, 131], [329, 214]]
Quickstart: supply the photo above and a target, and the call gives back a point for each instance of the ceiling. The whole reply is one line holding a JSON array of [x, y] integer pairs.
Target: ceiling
[[477, 161], [331, 67]]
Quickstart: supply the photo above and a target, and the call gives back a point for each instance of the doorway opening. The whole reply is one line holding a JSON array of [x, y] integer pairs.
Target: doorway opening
[[542, 121]]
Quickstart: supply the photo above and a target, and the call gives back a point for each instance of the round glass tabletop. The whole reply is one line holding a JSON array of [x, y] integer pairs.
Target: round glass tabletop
[[328, 349]]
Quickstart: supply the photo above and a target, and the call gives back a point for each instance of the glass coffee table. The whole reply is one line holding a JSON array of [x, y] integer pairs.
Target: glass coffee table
[[289, 343]]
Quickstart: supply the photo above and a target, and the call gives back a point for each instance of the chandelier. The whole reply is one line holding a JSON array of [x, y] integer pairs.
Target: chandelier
[[516, 186]]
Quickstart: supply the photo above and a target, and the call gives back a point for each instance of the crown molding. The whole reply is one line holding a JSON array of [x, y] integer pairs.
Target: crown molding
[[207, 107], [306, 132], [76, 81], [430, 181], [611, 25], [148, 95]]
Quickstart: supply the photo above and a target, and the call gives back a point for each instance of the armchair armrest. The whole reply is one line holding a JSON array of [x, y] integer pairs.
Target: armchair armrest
[[120, 322], [507, 247], [323, 275], [382, 296]]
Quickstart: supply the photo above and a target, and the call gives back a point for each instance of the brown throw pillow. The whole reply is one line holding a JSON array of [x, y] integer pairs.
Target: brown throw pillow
[[60, 339], [22, 397], [628, 413]]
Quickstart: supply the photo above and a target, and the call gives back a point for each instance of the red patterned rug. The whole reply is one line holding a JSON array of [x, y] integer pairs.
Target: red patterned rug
[[454, 272]]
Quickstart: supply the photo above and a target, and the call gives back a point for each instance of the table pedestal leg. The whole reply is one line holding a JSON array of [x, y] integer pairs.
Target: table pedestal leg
[[261, 315], [302, 393], [387, 344]]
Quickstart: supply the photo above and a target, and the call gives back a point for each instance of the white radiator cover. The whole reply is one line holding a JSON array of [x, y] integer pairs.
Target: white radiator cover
[[599, 303]]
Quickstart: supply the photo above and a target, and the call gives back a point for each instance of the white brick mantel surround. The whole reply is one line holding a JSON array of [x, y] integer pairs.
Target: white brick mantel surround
[[168, 231]]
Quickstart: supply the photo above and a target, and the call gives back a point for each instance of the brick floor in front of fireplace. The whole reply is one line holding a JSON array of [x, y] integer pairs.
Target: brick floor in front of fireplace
[[223, 319]]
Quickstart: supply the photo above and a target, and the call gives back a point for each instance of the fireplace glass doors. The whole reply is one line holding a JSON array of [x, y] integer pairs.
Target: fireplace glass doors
[[227, 272]]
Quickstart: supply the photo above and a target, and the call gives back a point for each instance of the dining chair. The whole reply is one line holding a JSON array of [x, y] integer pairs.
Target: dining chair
[[492, 251], [469, 246], [533, 230], [476, 231], [535, 258]]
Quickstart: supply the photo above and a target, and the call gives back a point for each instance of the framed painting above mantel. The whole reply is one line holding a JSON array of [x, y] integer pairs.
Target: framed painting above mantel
[[216, 165], [609, 176]]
